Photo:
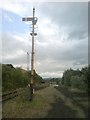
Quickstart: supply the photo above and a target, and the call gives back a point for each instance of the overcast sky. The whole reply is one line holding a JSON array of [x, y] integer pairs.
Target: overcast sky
[[62, 36]]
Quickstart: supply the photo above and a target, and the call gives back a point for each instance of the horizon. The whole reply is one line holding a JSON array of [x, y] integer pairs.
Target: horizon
[[39, 74]]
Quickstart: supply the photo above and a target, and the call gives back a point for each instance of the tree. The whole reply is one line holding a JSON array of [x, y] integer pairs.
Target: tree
[[66, 77], [14, 78], [77, 78]]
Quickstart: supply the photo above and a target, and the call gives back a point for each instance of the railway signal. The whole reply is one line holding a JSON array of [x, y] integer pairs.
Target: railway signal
[[34, 21]]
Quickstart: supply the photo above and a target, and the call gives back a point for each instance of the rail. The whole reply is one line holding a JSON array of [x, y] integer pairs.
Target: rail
[[10, 95]]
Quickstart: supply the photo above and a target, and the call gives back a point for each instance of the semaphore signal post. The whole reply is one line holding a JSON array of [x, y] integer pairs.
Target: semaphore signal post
[[34, 21]]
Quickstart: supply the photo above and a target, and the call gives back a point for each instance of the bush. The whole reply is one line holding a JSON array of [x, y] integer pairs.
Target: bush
[[78, 82], [77, 78]]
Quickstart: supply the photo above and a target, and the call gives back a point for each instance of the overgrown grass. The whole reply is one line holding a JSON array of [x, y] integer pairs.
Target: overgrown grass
[[22, 107], [47, 102]]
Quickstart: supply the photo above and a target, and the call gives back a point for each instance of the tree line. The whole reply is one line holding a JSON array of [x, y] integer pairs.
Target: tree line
[[14, 78], [77, 78]]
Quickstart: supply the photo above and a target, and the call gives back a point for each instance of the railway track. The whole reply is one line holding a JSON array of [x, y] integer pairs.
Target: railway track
[[10, 95], [15, 93]]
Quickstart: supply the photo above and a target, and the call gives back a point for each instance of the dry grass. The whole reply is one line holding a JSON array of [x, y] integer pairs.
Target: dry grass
[[47, 102], [21, 106]]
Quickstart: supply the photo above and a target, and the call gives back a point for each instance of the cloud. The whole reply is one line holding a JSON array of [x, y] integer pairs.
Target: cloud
[[12, 7], [61, 42], [15, 48], [70, 17], [21, 8]]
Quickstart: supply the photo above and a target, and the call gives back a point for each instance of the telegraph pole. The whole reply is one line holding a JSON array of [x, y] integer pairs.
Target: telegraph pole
[[34, 21], [32, 54], [32, 57]]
